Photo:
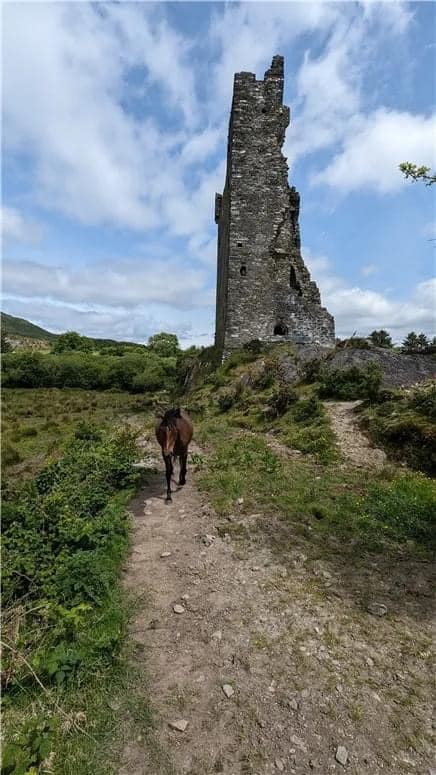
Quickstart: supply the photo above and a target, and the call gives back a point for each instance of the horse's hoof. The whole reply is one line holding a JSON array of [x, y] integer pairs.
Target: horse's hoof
[[168, 499], [181, 483]]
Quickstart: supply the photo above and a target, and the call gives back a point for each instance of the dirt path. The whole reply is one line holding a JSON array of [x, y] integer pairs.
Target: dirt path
[[308, 669], [352, 442]]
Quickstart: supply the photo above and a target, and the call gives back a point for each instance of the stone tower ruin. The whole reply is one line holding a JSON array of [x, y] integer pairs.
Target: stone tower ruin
[[264, 290]]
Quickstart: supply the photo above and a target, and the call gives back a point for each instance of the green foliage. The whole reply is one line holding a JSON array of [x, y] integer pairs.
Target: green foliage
[[280, 400], [381, 338], [226, 399], [135, 371], [352, 383], [27, 752], [424, 400], [415, 172], [416, 342], [307, 427], [71, 340], [163, 344], [398, 511], [378, 513], [405, 426], [63, 537]]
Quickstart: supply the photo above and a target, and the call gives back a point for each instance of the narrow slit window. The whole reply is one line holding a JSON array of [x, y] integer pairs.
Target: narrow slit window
[[280, 329], [243, 270]]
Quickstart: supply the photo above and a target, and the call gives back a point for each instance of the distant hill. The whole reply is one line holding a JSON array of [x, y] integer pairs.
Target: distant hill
[[12, 326]]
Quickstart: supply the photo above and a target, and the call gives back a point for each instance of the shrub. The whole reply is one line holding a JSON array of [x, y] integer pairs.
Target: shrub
[[352, 383], [424, 401], [226, 400], [280, 401], [63, 537]]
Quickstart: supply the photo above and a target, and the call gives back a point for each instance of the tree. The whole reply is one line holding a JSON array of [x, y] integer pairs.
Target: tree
[[411, 341], [410, 170], [71, 341], [163, 344], [381, 338], [422, 342]]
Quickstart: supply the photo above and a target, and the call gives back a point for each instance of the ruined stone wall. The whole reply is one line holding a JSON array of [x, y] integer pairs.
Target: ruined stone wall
[[264, 290]]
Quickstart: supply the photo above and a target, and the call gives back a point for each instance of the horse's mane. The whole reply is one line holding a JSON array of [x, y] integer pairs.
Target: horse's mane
[[170, 417]]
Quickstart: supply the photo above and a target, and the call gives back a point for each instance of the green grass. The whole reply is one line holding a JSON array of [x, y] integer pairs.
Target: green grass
[[36, 422], [405, 425], [376, 512]]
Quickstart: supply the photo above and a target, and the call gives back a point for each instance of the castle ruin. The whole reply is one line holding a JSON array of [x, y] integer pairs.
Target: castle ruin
[[264, 290]]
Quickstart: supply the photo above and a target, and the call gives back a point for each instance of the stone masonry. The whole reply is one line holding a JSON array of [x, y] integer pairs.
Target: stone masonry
[[264, 290]]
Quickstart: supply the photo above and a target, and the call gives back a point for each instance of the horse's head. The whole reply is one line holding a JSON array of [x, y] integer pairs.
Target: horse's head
[[167, 431]]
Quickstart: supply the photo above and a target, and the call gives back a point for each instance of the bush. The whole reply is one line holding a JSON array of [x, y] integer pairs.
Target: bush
[[135, 371], [280, 401], [226, 400], [350, 384], [64, 534], [424, 401]]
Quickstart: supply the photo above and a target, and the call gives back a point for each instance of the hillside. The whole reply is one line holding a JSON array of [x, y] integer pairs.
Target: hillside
[[12, 326]]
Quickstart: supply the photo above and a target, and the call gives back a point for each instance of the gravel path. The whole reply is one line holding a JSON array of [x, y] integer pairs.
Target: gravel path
[[260, 662], [352, 442]]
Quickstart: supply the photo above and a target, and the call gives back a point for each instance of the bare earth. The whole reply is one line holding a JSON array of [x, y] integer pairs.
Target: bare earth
[[310, 667]]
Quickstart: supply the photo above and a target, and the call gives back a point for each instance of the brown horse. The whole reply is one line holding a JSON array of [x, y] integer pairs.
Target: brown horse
[[174, 432]]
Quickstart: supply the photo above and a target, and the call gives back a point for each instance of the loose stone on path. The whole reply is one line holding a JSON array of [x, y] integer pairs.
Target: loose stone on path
[[228, 690], [165, 554], [341, 755], [178, 609], [179, 725], [377, 609]]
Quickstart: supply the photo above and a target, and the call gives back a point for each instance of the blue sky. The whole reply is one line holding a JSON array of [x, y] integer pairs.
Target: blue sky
[[114, 141]]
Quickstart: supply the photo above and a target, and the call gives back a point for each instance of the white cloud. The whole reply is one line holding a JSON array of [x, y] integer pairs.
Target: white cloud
[[16, 226], [375, 146], [119, 283], [360, 310]]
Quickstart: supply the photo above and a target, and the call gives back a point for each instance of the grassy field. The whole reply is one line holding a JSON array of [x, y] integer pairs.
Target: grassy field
[[36, 422]]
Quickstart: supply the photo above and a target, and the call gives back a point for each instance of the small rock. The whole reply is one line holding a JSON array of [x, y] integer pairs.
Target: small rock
[[185, 597], [293, 704], [153, 624], [147, 513], [279, 763], [207, 539], [341, 755], [217, 635], [179, 725], [166, 554], [228, 690], [240, 501], [377, 609], [178, 609], [369, 662], [305, 693], [299, 743]]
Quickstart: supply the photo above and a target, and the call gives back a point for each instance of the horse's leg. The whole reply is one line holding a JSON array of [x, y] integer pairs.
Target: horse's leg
[[183, 461], [169, 473]]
